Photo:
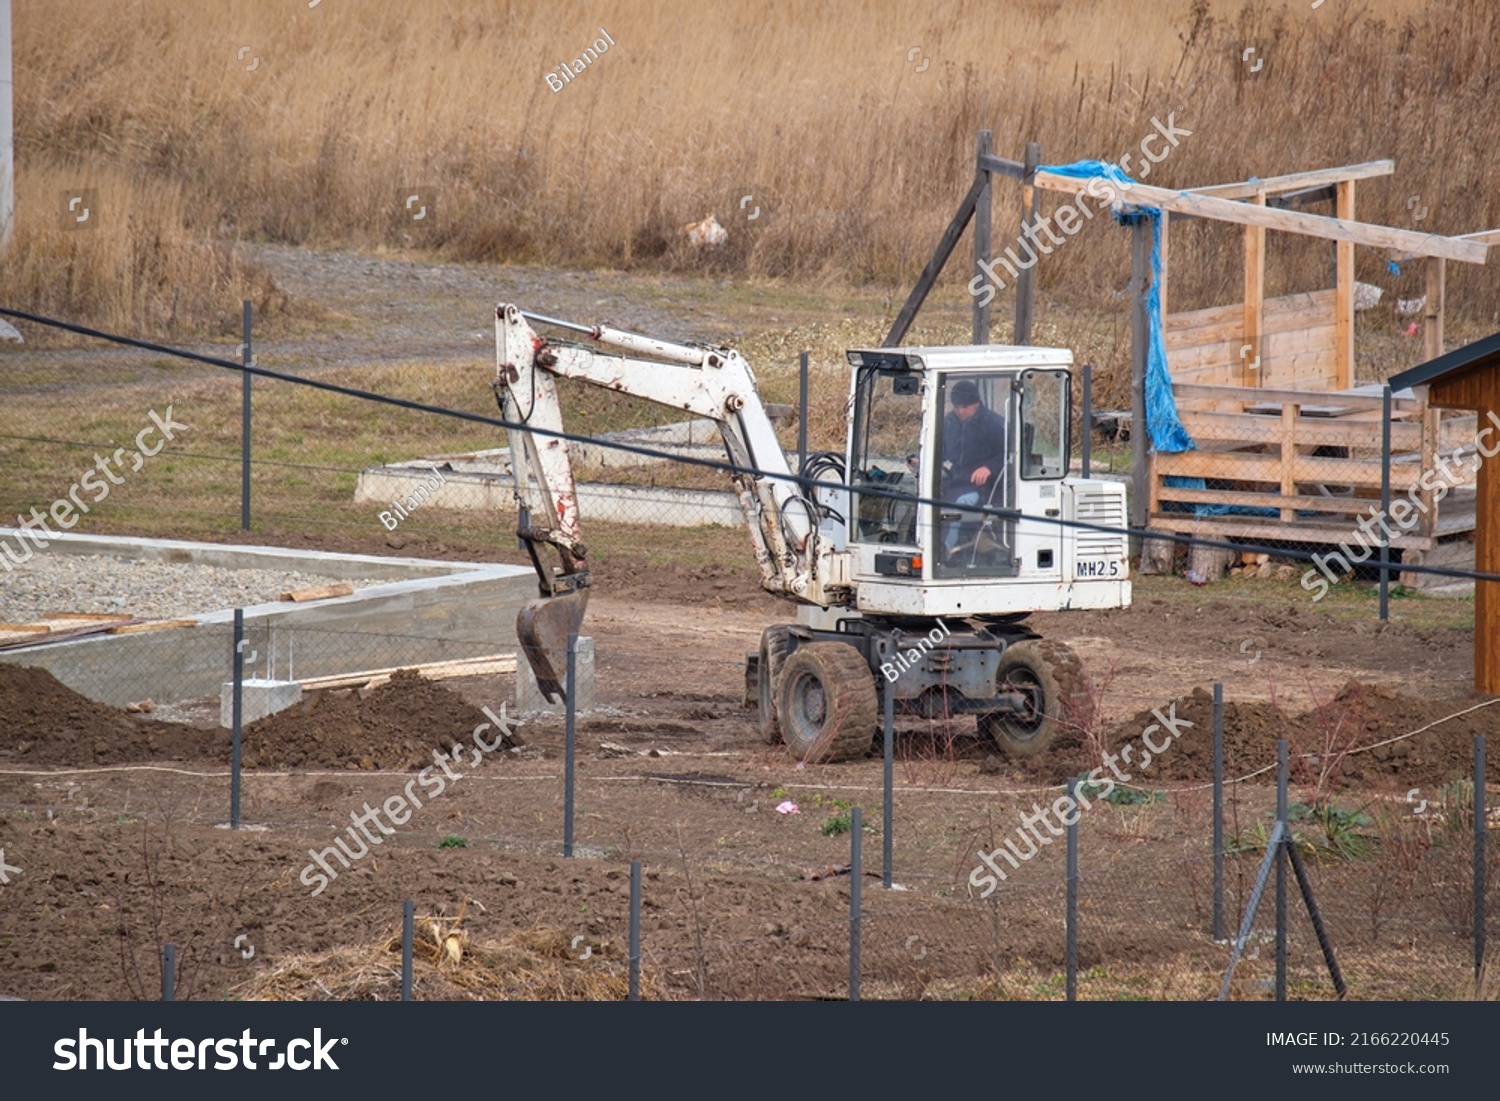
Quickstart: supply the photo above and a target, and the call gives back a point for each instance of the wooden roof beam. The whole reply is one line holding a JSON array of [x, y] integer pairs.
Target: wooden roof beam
[[1318, 177], [1286, 221]]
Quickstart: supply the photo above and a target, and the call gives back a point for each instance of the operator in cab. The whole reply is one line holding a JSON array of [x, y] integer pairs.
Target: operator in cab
[[973, 454]]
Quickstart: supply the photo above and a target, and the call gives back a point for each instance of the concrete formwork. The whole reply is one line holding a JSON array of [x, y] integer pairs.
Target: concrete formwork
[[427, 611]]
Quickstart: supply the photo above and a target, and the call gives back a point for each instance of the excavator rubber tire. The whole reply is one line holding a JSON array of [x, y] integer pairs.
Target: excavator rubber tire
[[775, 645], [1051, 674], [827, 703]]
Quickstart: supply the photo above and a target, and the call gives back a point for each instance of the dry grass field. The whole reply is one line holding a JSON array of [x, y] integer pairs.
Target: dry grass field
[[851, 125]]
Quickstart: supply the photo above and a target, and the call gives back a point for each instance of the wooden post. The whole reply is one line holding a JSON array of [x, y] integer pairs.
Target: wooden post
[[1252, 366], [1343, 294], [1140, 345], [1432, 330], [982, 224], [1289, 457], [1026, 281], [1487, 560]]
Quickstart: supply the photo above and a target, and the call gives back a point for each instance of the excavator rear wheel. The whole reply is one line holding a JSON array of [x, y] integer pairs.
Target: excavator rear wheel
[[775, 645], [828, 703], [1049, 676]]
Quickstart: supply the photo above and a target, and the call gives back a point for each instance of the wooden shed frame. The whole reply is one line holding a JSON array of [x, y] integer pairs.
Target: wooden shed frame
[[1286, 445], [1469, 378]]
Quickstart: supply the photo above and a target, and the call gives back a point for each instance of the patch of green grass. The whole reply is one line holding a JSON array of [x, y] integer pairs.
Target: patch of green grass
[[453, 843]]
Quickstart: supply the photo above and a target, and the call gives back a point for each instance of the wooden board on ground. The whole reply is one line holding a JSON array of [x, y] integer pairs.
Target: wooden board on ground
[[320, 592], [432, 670]]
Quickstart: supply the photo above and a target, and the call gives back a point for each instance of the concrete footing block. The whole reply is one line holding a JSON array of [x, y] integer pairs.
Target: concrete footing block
[[529, 698], [260, 698]]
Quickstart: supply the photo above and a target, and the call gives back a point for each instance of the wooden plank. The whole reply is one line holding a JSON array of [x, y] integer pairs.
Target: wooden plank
[[319, 592], [1002, 165], [1432, 331], [1295, 181], [1311, 339], [1333, 506], [1343, 285], [1255, 291], [432, 670], [1285, 221], [1278, 315], [1250, 393], [153, 625], [1265, 528], [1311, 371], [1249, 466], [1317, 432]]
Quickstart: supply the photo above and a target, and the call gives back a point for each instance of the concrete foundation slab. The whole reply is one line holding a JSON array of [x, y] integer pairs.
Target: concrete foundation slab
[[427, 611]]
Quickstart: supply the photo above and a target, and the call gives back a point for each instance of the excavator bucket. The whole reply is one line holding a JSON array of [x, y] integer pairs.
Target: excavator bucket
[[543, 626]]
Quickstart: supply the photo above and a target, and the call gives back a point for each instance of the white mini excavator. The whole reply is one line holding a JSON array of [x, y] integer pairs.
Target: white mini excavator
[[925, 601]]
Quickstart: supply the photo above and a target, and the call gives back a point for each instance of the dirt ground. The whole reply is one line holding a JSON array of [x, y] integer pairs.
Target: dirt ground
[[115, 819]]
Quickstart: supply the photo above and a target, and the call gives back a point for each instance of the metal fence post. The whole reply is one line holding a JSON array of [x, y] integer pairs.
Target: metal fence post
[[1385, 503], [408, 918], [856, 881], [1086, 431], [888, 821], [1072, 918], [571, 710], [237, 722], [802, 414], [245, 359], [1284, 833], [1218, 930], [635, 930], [169, 973], [1481, 846]]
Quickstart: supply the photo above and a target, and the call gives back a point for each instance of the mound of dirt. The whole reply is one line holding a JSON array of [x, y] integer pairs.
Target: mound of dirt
[[46, 722], [1344, 731], [395, 726]]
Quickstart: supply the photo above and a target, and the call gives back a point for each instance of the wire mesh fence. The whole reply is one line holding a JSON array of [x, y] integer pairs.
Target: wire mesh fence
[[748, 893]]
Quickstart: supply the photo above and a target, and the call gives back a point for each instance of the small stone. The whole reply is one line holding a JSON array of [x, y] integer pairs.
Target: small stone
[[990, 765]]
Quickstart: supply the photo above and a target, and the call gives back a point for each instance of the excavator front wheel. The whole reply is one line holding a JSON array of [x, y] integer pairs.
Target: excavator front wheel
[[1047, 675], [775, 645], [827, 701]]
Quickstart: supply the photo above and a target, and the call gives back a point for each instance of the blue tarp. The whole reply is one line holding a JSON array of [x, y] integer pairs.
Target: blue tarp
[[1166, 429]]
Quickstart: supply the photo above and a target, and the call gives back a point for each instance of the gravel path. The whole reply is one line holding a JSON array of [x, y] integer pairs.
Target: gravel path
[[150, 590]]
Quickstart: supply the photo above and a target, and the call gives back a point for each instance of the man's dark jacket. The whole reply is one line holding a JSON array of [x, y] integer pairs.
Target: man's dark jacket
[[968, 446]]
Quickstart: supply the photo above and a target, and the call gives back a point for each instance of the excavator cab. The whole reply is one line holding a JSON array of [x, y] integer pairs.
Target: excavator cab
[[987, 440]]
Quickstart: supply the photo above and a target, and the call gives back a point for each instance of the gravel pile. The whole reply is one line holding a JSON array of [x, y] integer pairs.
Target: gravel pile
[[149, 590]]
